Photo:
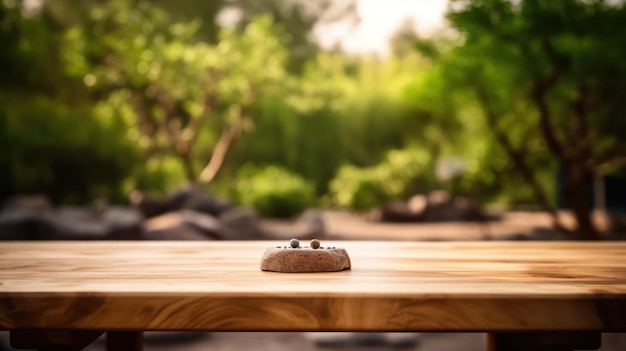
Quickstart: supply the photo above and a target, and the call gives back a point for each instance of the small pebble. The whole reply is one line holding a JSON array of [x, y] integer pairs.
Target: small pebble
[[294, 243], [315, 244]]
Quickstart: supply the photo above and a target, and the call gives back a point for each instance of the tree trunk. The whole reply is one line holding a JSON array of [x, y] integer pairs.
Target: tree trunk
[[188, 166], [578, 202], [586, 228], [519, 161]]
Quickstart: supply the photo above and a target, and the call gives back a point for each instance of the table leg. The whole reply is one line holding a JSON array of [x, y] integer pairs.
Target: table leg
[[124, 340], [544, 341]]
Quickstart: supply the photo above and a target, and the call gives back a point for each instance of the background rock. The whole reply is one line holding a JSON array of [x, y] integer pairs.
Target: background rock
[[241, 224], [399, 212], [182, 225], [309, 225], [191, 198], [437, 206], [25, 218], [34, 204], [76, 223], [18, 225], [123, 223]]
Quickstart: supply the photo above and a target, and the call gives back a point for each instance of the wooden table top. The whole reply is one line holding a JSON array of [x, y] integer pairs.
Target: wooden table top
[[392, 286]]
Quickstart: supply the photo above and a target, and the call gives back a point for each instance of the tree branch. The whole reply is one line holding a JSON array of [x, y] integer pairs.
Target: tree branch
[[614, 154], [219, 153], [210, 101], [173, 109], [541, 88], [580, 113], [143, 120], [518, 158], [168, 107]]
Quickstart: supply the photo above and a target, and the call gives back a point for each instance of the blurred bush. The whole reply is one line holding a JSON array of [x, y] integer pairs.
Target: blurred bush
[[273, 191], [46, 147], [399, 175]]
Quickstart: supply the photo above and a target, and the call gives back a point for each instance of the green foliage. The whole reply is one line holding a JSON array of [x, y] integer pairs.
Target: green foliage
[[49, 148], [402, 173], [551, 49], [180, 94], [543, 89], [103, 97], [273, 191], [48, 141], [337, 113], [159, 175]]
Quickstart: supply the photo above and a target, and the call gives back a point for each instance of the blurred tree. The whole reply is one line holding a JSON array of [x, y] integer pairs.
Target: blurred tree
[[551, 72], [337, 112], [299, 18], [123, 84], [175, 86], [47, 142], [206, 12], [404, 40]]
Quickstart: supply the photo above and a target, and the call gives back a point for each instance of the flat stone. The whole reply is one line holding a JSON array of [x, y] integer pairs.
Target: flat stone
[[305, 260]]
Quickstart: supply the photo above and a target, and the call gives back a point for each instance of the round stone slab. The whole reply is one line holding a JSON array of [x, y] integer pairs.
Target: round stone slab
[[304, 260]]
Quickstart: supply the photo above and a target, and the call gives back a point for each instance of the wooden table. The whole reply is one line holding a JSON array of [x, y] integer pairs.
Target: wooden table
[[63, 295]]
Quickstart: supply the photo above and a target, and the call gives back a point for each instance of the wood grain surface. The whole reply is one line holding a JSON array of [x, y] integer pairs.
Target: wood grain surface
[[392, 286]]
